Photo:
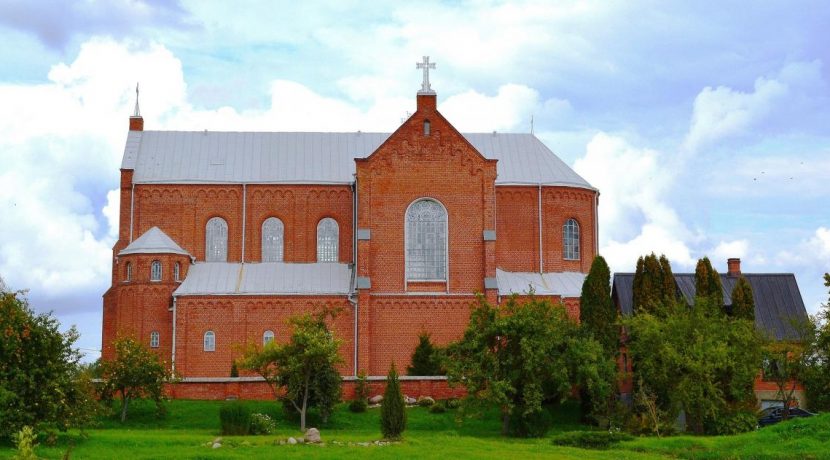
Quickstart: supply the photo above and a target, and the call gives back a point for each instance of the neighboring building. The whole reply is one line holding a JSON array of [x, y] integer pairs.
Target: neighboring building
[[778, 304], [224, 235]]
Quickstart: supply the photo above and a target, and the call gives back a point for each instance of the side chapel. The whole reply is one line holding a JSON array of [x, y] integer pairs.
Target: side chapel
[[225, 235]]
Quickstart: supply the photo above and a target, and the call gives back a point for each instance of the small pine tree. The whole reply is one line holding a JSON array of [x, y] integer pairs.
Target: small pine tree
[[669, 286], [654, 287], [425, 359], [743, 303], [597, 313], [361, 394], [707, 283], [392, 411]]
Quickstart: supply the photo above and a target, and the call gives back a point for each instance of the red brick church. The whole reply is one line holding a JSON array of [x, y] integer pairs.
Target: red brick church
[[224, 235]]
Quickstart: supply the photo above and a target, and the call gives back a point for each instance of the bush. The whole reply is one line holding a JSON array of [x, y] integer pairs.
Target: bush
[[392, 410], [426, 401], [235, 419], [361, 394], [262, 424], [533, 425], [453, 403], [591, 439], [738, 422], [426, 359], [437, 408], [234, 370], [24, 440]]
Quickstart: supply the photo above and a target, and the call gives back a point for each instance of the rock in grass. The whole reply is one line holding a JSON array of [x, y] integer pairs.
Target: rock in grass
[[376, 399], [216, 445], [409, 400], [292, 441], [312, 435]]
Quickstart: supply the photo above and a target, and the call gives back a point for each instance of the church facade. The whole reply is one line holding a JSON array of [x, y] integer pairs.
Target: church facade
[[225, 235]]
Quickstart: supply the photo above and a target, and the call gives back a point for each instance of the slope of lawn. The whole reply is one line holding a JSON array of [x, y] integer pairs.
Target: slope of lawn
[[190, 425]]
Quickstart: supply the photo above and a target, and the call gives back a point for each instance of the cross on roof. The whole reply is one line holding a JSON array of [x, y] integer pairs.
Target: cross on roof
[[426, 65]]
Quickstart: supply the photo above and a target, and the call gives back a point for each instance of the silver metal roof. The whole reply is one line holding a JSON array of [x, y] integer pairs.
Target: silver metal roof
[[273, 278], [314, 158], [567, 284], [153, 241]]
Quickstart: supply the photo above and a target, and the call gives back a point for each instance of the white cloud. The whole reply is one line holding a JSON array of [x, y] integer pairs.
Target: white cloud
[[475, 112], [111, 212], [728, 249]]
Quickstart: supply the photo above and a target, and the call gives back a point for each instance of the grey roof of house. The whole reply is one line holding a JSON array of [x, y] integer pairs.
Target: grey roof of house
[[272, 278], [778, 300], [153, 241], [313, 158], [567, 284]]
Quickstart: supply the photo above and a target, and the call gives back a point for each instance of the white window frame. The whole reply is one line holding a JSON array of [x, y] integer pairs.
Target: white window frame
[[408, 234], [155, 270], [154, 339], [216, 240], [177, 271], [273, 240], [129, 272], [571, 250], [328, 246], [267, 337], [209, 342]]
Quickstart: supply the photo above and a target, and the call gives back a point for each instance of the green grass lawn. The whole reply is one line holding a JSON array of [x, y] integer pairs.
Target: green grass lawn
[[189, 425]]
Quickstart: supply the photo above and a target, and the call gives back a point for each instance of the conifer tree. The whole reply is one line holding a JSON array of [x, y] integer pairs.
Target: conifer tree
[[743, 303], [597, 313], [425, 359], [669, 286], [392, 411], [654, 288], [707, 283]]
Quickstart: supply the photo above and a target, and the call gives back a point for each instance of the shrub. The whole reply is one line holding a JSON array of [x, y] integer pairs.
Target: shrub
[[734, 423], [437, 408], [262, 424], [235, 419], [24, 440], [426, 401], [234, 370], [530, 425], [361, 394], [426, 359], [453, 403], [392, 410], [591, 439]]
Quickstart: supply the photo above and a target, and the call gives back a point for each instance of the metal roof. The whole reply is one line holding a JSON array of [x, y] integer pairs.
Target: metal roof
[[272, 278], [567, 284], [778, 300], [314, 158], [153, 241]]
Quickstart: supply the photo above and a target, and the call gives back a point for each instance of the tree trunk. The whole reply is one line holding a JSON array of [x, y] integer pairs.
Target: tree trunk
[[124, 401], [305, 404]]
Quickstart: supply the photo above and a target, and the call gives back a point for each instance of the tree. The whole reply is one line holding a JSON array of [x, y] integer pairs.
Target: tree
[[707, 284], [305, 367], [743, 302], [361, 394], [135, 372], [40, 384], [426, 359], [816, 378], [654, 287], [520, 355], [392, 410]]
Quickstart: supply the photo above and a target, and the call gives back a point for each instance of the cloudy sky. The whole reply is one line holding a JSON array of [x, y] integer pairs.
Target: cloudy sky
[[705, 125]]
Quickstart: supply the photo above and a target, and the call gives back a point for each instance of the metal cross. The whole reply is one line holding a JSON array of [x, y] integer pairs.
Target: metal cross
[[136, 112], [426, 65]]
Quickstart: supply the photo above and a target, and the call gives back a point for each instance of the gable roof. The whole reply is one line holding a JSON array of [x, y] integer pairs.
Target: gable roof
[[271, 278], [777, 298], [153, 241], [314, 158]]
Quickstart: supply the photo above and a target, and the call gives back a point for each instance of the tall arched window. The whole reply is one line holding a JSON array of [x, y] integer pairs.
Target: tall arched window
[[272, 232], [426, 241], [328, 238], [154, 339], [210, 341], [128, 272], [155, 271], [216, 240], [267, 337], [570, 236], [177, 271]]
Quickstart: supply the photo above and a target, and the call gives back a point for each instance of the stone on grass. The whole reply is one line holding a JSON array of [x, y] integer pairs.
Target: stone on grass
[[409, 400], [425, 401], [292, 441], [376, 399], [312, 435], [216, 445]]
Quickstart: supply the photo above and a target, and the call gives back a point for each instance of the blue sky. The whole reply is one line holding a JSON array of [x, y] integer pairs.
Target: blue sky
[[705, 125]]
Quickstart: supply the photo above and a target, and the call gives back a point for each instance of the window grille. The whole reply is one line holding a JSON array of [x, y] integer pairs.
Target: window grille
[[267, 337], [570, 234], [129, 272], [328, 238], [154, 339], [155, 271], [426, 245], [216, 240], [272, 240], [177, 271], [210, 341]]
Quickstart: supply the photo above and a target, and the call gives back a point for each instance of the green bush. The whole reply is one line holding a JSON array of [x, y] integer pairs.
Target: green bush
[[235, 419], [361, 394], [533, 425], [24, 440], [591, 439], [234, 370], [426, 402], [262, 424], [453, 403], [437, 408], [735, 423], [392, 410]]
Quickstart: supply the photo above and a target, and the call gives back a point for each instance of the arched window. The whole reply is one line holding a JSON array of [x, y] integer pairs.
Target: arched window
[[272, 232], [128, 272], [267, 337], [328, 239], [426, 241], [210, 341], [570, 236], [216, 240], [177, 271], [155, 271], [154, 339]]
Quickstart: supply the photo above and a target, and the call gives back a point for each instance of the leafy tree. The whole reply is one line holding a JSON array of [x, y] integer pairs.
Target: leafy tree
[[304, 367], [816, 378], [39, 377], [654, 287], [520, 355], [392, 410], [786, 363], [743, 302], [707, 284], [135, 372], [426, 359]]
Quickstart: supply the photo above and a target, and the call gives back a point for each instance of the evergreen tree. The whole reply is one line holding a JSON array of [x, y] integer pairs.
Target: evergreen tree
[[669, 285], [654, 287], [392, 410], [425, 359], [707, 284], [743, 303]]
